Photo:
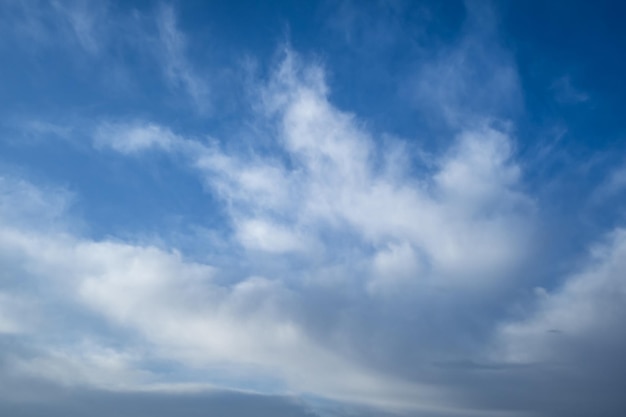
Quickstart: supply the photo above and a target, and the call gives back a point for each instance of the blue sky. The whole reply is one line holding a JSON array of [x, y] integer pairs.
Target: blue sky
[[316, 209]]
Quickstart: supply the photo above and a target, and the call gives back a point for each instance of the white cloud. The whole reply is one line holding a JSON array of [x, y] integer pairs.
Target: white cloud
[[362, 230], [268, 236], [247, 328], [133, 138], [461, 225], [459, 216], [468, 217], [237, 180], [335, 216], [27, 206]]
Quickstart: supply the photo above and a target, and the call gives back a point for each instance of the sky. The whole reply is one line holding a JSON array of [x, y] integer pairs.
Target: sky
[[312, 209]]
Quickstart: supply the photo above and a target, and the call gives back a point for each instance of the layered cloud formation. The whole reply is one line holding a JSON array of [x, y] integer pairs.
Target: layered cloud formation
[[345, 271]]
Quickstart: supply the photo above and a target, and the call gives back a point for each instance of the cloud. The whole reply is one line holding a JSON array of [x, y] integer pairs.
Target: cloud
[[84, 22], [33, 207], [472, 79], [52, 401], [98, 39], [339, 181], [178, 70], [133, 138], [268, 237], [63, 23], [566, 93], [84, 364], [341, 214], [354, 268], [612, 186], [14, 311], [583, 312], [569, 337], [178, 307]]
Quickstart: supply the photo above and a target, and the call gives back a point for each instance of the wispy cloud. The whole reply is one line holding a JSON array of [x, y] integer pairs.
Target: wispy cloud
[[98, 38], [58, 24], [86, 23], [178, 70], [472, 79], [565, 92]]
